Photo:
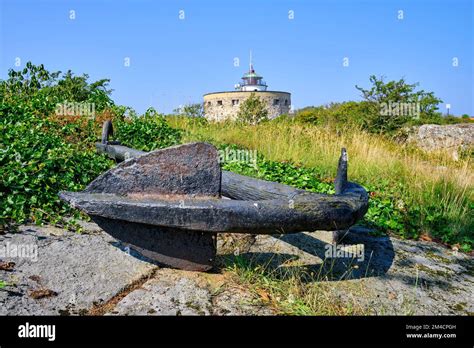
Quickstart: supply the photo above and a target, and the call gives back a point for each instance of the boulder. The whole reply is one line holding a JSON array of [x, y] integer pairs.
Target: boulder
[[451, 138]]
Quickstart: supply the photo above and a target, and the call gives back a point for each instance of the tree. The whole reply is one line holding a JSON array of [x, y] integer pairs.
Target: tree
[[253, 110], [35, 80], [398, 103], [191, 110]]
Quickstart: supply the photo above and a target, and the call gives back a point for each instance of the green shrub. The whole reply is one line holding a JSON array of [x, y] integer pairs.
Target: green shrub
[[36, 162], [350, 113], [312, 115], [253, 110], [386, 108], [147, 132], [195, 110], [35, 81]]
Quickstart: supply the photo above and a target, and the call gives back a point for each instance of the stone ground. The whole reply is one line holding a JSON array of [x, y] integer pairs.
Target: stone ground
[[92, 274]]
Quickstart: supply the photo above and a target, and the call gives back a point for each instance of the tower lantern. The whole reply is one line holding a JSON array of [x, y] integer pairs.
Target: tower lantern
[[251, 81]]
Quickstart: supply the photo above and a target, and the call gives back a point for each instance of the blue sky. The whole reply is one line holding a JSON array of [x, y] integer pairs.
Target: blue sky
[[176, 60]]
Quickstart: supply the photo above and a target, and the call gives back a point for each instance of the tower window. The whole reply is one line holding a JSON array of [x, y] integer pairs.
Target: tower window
[[208, 103], [235, 102], [286, 102], [219, 102], [276, 101]]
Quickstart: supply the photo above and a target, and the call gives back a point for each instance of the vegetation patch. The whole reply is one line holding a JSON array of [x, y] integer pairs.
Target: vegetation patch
[[147, 132], [295, 291], [48, 142]]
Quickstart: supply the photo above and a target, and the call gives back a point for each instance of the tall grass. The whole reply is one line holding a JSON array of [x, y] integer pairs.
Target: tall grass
[[437, 190]]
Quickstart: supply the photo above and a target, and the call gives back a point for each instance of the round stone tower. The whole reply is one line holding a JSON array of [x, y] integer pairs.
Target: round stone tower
[[221, 106]]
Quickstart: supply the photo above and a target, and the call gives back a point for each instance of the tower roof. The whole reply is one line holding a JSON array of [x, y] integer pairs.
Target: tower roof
[[251, 81], [250, 74]]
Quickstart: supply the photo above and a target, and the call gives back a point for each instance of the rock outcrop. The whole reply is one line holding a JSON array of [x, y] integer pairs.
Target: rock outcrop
[[451, 138], [93, 274]]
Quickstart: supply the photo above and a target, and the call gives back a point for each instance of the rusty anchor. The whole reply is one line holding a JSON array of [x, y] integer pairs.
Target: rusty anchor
[[169, 204]]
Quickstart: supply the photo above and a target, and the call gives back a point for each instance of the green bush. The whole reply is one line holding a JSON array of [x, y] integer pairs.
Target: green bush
[[382, 110], [37, 157], [43, 152], [253, 110], [312, 115], [195, 110], [35, 81], [147, 132], [36, 162]]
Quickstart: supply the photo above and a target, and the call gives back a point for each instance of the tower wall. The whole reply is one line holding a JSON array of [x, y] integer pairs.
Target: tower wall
[[223, 106]]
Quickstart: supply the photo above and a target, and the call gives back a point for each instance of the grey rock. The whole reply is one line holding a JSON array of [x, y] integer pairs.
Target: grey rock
[[86, 272], [176, 292], [81, 269], [451, 138], [168, 293], [90, 270]]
